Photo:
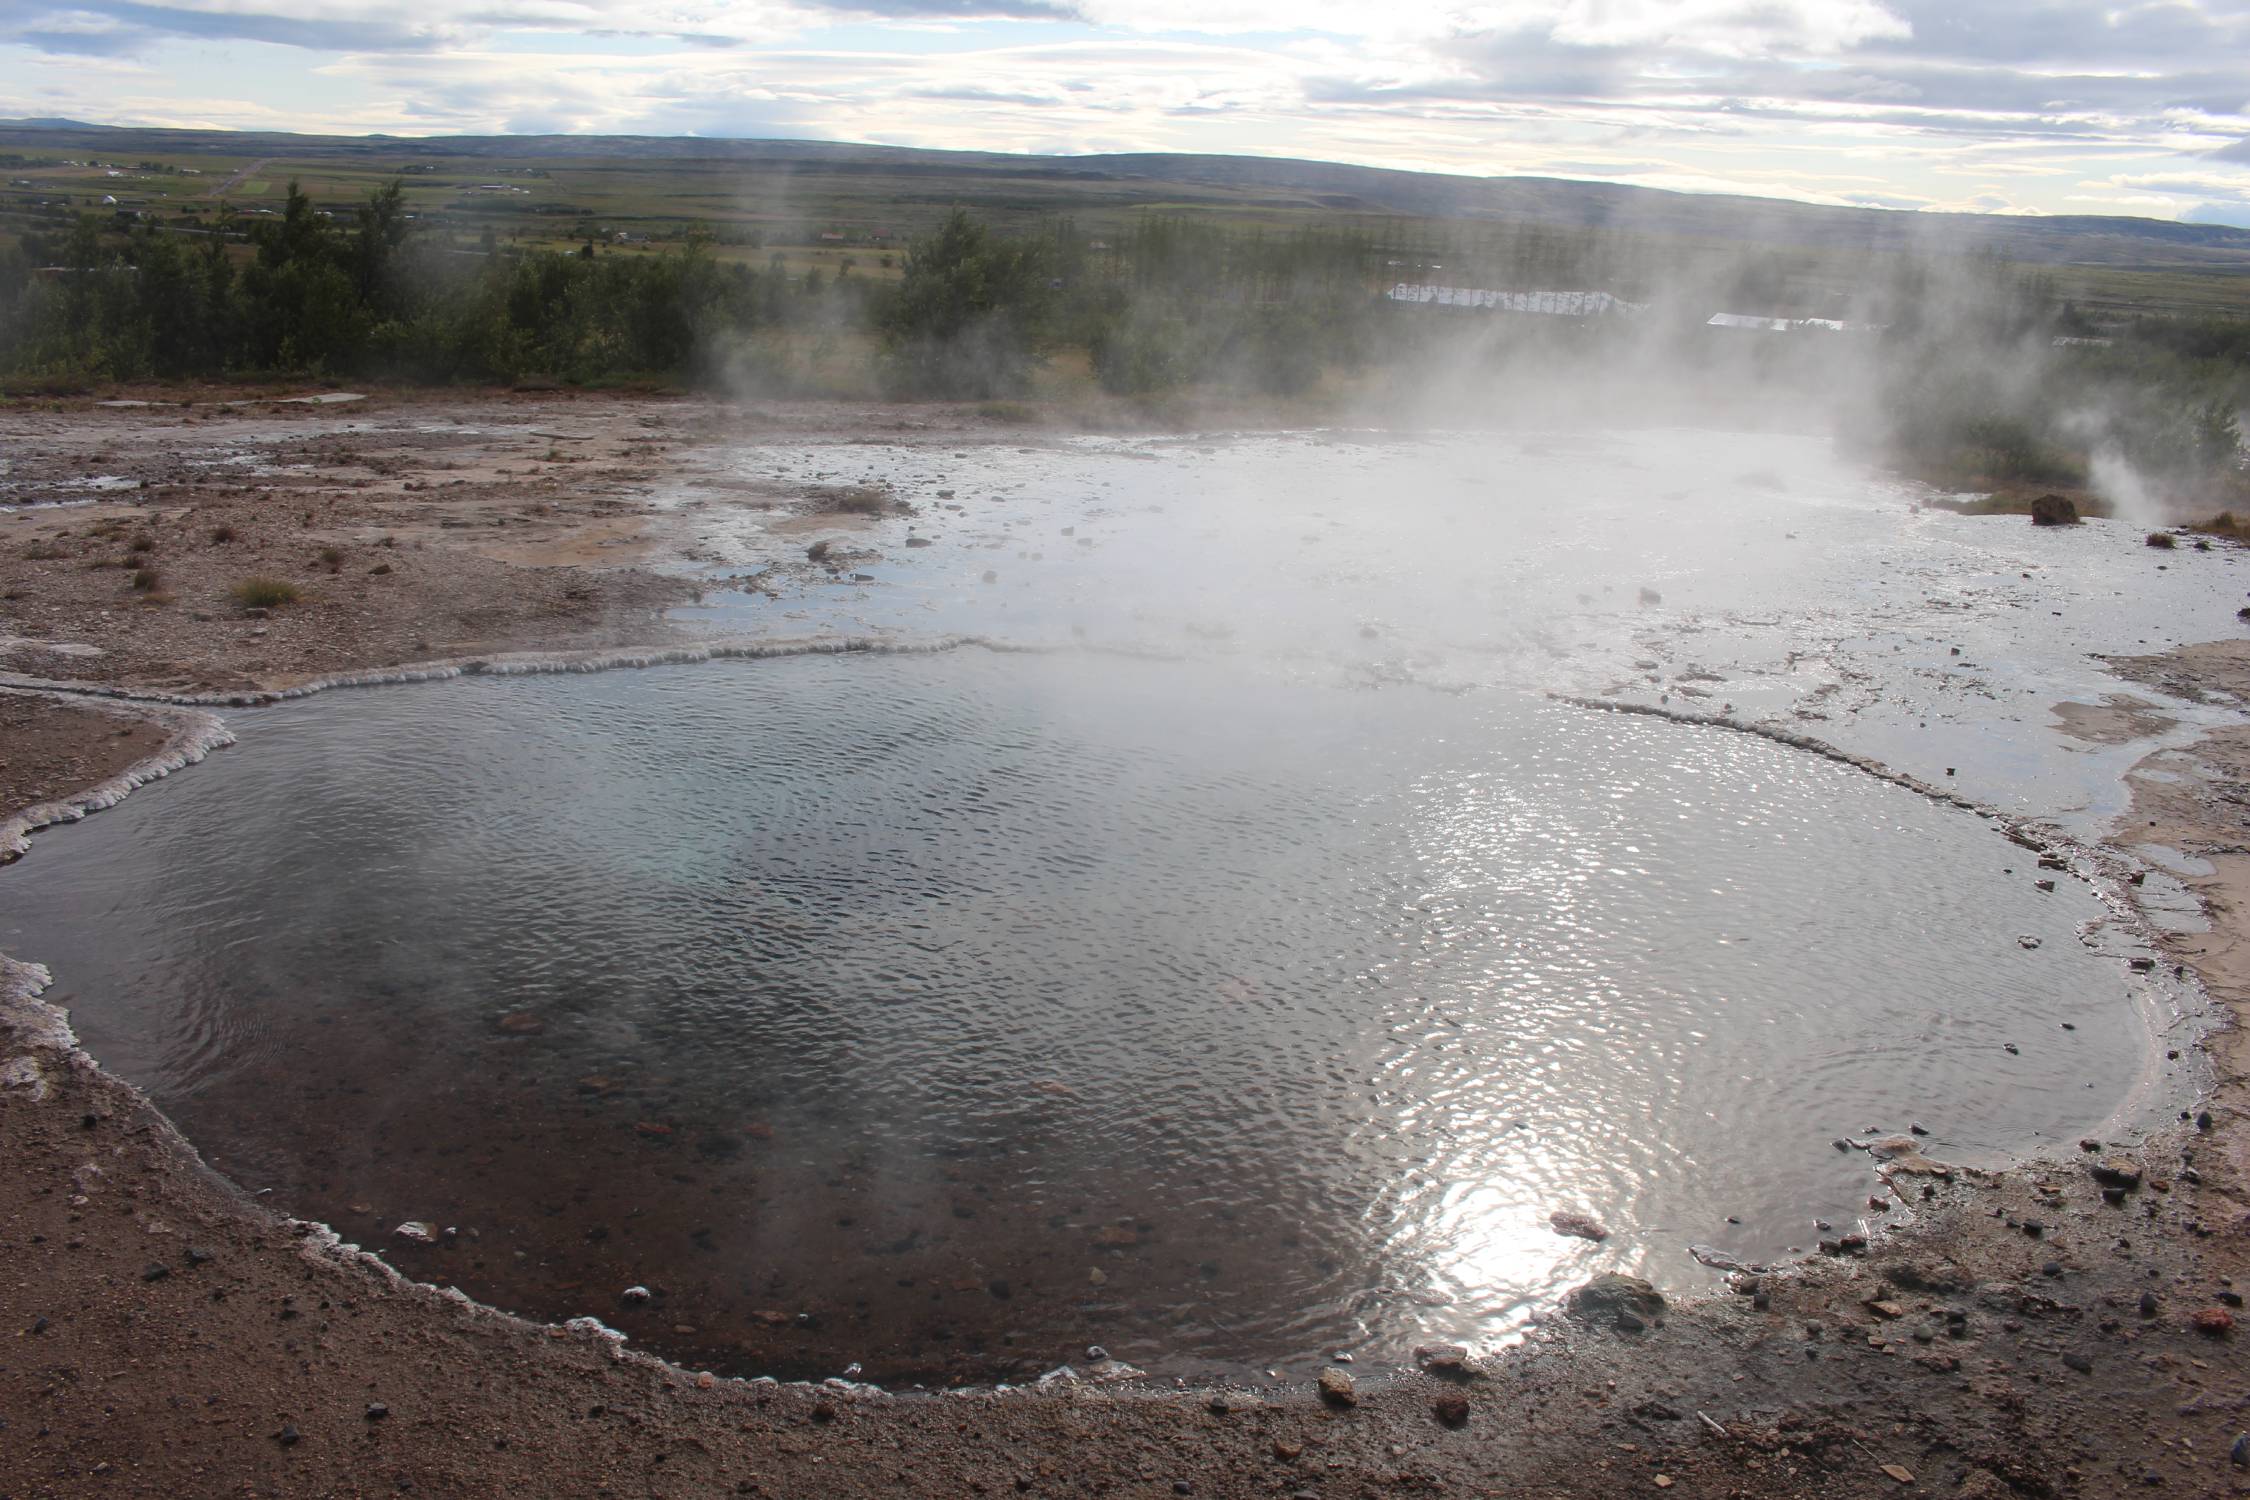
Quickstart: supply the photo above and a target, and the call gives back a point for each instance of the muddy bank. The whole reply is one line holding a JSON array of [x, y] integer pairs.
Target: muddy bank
[[164, 1333]]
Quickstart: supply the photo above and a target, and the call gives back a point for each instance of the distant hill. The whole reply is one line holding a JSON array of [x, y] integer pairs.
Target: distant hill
[[1057, 183]]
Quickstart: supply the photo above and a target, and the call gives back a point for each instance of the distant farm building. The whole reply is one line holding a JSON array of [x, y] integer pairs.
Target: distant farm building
[[1548, 304], [1757, 324]]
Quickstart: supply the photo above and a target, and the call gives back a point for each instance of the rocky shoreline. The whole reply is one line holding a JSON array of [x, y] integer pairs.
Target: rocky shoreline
[[2059, 1328]]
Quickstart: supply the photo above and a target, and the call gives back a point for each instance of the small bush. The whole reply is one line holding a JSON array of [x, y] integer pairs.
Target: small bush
[[332, 558], [145, 580], [2162, 540], [1016, 413], [144, 544], [43, 552], [265, 593], [2053, 510], [222, 534]]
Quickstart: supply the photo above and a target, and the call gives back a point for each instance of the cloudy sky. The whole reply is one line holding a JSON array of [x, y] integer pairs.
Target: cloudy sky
[[2053, 106]]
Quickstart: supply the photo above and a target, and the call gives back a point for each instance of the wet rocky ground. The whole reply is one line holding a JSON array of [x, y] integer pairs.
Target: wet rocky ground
[[2062, 1328]]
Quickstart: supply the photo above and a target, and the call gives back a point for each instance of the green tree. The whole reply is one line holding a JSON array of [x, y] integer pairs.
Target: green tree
[[970, 314]]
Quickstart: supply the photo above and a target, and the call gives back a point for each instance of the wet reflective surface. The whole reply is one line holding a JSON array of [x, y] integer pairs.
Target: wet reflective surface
[[948, 1013]]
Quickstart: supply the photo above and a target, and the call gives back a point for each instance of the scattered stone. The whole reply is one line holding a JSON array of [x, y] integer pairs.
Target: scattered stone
[[1899, 1472], [1223, 1402], [199, 1257], [2239, 1454], [1611, 1293], [415, 1232], [2027, 941], [1884, 1308], [2053, 510], [2079, 1362], [634, 1296], [2215, 1322], [1336, 1388], [376, 1411], [289, 1436], [1577, 1226], [522, 1023], [1446, 1359], [2117, 1172], [1286, 1451], [2148, 1304], [155, 1272], [1452, 1409], [824, 1412]]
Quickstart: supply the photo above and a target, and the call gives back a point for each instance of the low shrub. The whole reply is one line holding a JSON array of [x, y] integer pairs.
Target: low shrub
[[265, 593]]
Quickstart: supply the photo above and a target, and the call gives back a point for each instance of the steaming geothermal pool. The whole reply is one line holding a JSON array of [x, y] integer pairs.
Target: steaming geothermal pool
[[980, 1007], [946, 1012]]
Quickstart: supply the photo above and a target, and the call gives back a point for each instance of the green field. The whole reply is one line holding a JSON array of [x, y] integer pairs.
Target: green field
[[819, 203]]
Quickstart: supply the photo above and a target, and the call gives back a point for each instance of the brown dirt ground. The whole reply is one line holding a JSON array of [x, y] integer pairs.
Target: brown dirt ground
[[163, 1334], [48, 749]]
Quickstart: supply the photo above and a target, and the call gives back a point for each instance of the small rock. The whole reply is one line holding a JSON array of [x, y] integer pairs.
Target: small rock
[[1899, 1472], [376, 1411], [2148, 1304], [199, 1257], [1444, 1358], [155, 1272], [2079, 1362], [634, 1295], [288, 1437], [2117, 1172], [2239, 1454], [1286, 1451], [415, 1232], [1336, 1388], [2216, 1322], [2027, 941], [1577, 1226], [1612, 1293], [521, 1023]]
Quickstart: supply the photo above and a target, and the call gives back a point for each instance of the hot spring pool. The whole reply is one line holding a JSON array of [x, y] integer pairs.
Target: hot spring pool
[[948, 1013]]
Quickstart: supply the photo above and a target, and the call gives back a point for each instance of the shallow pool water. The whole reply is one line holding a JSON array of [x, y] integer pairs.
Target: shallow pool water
[[948, 1013]]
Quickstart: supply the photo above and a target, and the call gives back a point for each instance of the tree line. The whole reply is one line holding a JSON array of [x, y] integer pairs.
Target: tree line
[[1981, 369]]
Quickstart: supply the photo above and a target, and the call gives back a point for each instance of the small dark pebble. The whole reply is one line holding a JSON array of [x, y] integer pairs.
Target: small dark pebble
[[1452, 1409], [2034, 1228], [2231, 1299], [1182, 1487], [2080, 1363], [824, 1411], [2051, 1268], [1916, 1130], [376, 1411], [2203, 1120], [2148, 1304], [289, 1437], [199, 1257], [155, 1273], [38, 1325], [2240, 1452]]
